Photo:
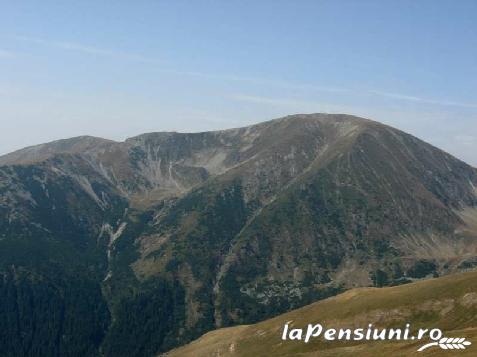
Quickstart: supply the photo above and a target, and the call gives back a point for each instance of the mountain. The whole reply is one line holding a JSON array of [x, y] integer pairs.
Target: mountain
[[132, 248], [448, 303]]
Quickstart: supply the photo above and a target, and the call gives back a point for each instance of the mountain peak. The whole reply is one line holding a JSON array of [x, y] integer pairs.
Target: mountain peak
[[36, 153], [227, 227], [88, 144]]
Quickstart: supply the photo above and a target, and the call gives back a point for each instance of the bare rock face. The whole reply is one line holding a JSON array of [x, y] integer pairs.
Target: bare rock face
[[171, 234]]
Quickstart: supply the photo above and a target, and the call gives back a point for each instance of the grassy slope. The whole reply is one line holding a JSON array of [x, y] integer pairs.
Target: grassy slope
[[448, 303]]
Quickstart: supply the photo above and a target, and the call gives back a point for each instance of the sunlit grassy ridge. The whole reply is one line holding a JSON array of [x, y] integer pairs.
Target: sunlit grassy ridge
[[448, 303]]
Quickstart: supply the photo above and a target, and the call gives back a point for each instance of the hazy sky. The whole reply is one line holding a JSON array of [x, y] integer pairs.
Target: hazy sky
[[119, 68]]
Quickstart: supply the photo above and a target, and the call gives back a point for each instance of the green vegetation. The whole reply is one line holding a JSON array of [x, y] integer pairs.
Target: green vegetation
[[448, 303]]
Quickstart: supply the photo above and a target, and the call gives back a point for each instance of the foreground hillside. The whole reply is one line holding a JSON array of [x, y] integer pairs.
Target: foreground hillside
[[448, 303], [133, 248]]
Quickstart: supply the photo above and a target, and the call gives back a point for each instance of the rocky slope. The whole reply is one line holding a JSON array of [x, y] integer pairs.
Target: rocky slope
[[169, 235]]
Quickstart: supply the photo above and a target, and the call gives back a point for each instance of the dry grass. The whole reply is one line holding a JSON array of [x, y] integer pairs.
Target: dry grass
[[448, 303]]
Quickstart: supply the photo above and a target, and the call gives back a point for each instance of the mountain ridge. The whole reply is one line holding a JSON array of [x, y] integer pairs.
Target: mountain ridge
[[185, 233], [4, 158]]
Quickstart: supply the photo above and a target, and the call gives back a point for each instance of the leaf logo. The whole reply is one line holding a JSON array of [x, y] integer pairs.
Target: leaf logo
[[448, 343]]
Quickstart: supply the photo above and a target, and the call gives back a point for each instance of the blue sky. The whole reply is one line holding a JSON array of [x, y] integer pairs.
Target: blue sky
[[119, 68]]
